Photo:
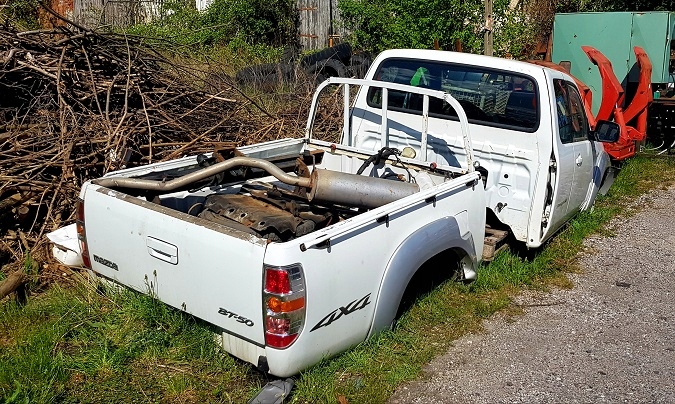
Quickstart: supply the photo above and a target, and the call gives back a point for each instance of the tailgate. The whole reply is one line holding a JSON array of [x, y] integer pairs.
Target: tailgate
[[202, 268]]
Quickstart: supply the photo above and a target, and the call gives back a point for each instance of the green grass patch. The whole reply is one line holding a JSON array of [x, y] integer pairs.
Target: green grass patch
[[88, 345], [84, 344]]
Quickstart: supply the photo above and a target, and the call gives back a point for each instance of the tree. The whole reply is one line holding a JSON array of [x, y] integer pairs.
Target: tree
[[385, 24], [570, 6]]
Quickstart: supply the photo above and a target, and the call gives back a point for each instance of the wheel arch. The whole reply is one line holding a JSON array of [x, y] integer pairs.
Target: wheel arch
[[421, 246]]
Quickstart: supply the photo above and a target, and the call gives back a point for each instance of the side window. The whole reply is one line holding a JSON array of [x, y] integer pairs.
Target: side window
[[572, 122], [579, 121]]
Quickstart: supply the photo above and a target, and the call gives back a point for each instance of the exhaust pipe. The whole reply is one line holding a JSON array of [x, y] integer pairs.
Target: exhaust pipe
[[324, 186], [176, 183]]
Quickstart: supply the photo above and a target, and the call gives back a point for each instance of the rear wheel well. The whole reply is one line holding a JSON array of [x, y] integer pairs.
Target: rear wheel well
[[440, 268]]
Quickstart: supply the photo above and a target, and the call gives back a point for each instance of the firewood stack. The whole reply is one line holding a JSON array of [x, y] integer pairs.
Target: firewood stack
[[75, 104]]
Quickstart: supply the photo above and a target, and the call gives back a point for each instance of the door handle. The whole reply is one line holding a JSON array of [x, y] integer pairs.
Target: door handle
[[162, 250], [579, 160]]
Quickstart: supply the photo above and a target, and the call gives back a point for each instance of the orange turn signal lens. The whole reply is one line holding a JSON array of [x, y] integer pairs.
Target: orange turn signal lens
[[278, 306]]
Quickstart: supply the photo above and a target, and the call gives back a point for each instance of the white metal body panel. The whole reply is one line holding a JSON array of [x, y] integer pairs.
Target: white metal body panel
[[512, 158], [561, 175], [517, 161], [216, 273], [217, 267], [601, 163], [347, 272], [583, 173], [213, 268], [579, 168]]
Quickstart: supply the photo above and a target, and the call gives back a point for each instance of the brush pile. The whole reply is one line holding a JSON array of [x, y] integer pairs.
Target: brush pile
[[75, 104]]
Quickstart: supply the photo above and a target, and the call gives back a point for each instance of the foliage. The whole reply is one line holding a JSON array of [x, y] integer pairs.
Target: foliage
[[236, 23], [572, 6], [270, 22], [91, 345], [22, 13], [515, 31], [385, 24]]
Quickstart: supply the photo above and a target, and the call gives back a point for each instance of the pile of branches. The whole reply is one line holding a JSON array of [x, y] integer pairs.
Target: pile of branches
[[76, 104]]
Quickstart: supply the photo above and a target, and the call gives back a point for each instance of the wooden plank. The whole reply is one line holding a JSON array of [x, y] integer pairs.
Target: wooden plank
[[493, 243], [319, 20]]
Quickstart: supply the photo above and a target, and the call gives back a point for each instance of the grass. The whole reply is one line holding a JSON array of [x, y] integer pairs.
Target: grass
[[83, 344], [86, 345]]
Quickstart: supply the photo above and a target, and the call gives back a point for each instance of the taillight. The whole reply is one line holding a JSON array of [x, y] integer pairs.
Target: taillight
[[277, 281], [82, 235], [284, 304]]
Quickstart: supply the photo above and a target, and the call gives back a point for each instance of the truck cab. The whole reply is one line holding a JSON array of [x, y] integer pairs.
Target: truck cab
[[531, 137]]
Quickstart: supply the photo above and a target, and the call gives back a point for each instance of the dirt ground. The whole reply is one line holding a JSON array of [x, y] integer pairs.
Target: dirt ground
[[610, 339]]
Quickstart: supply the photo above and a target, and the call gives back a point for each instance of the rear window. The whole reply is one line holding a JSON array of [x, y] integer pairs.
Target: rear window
[[489, 97]]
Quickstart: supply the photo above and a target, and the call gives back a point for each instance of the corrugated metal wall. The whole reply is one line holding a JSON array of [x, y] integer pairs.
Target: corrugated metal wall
[[116, 13], [319, 19]]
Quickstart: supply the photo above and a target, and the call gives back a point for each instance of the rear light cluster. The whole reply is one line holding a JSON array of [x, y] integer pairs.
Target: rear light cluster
[[82, 235], [284, 304]]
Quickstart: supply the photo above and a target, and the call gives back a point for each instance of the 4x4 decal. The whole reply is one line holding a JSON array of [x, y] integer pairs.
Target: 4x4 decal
[[334, 315]]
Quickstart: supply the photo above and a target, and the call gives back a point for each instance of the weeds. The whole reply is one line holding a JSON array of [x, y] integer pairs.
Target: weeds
[[84, 345], [23, 13], [253, 30]]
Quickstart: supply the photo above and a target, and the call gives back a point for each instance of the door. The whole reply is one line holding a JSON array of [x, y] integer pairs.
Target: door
[[561, 164], [571, 164], [583, 156]]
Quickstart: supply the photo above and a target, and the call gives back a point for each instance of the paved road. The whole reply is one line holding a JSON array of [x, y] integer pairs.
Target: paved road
[[611, 339]]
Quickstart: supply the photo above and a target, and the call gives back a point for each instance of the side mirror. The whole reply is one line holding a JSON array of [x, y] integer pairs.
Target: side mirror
[[606, 132]]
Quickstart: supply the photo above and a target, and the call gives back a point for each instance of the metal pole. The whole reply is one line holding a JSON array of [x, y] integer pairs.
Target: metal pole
[[489, 24]]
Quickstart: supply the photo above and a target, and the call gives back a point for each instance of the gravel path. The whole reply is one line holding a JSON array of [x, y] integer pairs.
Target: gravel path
[[610, 339]]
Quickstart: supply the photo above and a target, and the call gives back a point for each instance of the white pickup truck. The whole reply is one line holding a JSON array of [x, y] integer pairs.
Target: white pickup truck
[[298, 249]]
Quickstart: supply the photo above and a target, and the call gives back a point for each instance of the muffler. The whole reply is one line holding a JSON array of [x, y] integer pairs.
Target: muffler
[[356, 190]]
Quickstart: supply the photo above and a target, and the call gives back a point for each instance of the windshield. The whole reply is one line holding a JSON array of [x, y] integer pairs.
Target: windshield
[[489, 97]]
